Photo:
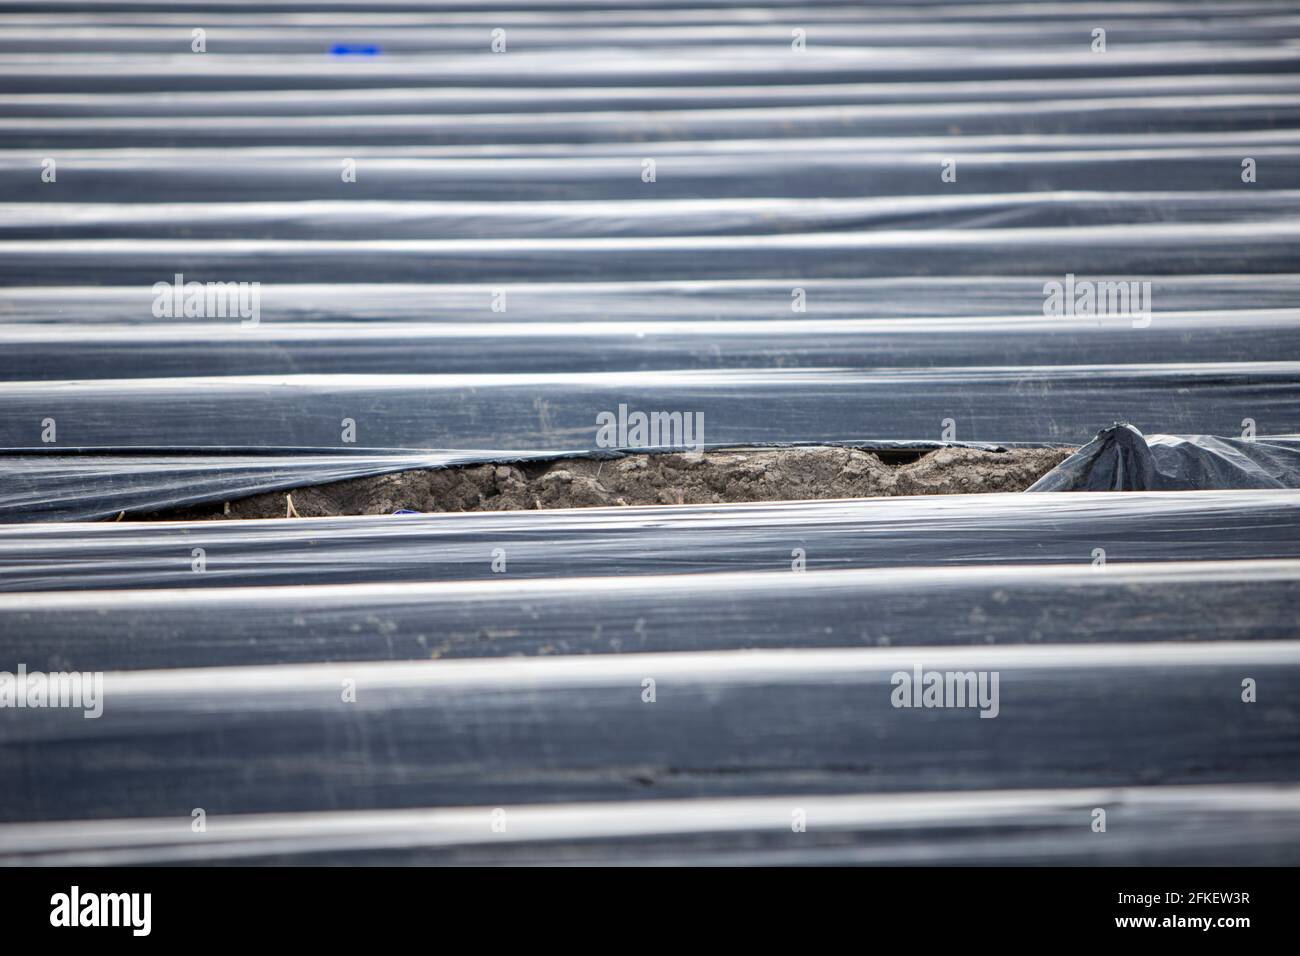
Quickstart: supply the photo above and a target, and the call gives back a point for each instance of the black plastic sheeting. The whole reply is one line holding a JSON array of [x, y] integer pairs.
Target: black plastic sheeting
[[1238, 825], [500, 661], [723, 723], [57, 337], [550, 412], [640, 219], [1120, 458], [932, 531], [810, 168], [883, 606], [344, 307], [1245, 246]]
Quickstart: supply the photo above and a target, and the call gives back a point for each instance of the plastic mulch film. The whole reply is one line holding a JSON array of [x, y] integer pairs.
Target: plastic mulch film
[[907, 606], [1121, 458], [563, 411], [351, 241], [811, 168], [1083, 529], [62, 335], [1234, 824], [507, 731], [344, 306], [1245, 244]]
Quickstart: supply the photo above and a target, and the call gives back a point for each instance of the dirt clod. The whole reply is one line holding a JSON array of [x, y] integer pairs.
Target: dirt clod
[[753, 474]]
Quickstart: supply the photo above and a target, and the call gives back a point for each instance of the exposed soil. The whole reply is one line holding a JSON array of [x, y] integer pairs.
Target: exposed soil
[[767, 474]]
